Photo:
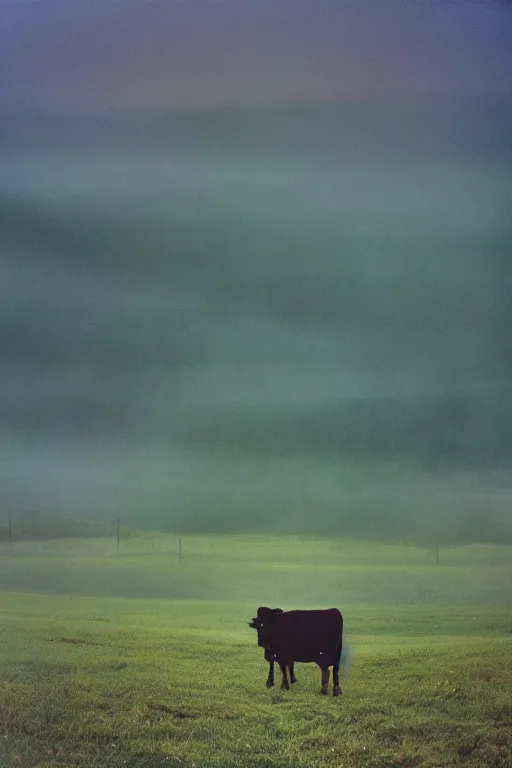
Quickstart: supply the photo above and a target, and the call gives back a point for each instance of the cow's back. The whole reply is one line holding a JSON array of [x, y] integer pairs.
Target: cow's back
[[309, 635]]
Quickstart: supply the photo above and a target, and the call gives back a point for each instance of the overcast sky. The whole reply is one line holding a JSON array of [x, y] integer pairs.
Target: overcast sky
[[215, 314], [127, 53]]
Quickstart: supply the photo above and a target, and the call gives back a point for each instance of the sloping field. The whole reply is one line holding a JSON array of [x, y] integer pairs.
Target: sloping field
[[262, 570]]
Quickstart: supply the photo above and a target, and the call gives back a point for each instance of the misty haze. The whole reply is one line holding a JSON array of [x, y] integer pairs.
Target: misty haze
[[255, 383], [275, 319]]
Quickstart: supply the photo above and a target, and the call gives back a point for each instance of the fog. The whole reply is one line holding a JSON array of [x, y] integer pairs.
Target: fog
[[261, 319]]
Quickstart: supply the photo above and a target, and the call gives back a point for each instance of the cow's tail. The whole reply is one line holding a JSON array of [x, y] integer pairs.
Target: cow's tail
[[343, 654], [339, 644], [339, 648]]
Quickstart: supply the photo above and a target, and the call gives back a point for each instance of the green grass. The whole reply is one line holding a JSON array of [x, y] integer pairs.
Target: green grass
[[116, 671]]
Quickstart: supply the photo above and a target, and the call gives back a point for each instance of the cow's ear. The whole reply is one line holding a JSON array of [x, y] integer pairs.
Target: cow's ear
[[278, 610]]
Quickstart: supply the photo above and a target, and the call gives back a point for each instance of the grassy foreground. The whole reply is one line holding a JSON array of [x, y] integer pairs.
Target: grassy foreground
[[89, 680]]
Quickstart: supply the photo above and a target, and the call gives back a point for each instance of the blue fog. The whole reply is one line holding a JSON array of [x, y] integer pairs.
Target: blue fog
[[267, 319]]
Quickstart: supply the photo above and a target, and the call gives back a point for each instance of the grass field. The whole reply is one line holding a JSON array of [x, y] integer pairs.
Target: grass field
[[135, 659]]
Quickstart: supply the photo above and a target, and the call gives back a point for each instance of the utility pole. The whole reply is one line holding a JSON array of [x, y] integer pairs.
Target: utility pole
[[179, 550], [437, 549], [10, 531], [118, 532]]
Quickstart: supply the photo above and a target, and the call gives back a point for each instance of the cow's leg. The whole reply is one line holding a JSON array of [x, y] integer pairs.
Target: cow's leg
[[284, 683], [325, 681], [336, 690], [270, 678], [293, 679], [269, 656]]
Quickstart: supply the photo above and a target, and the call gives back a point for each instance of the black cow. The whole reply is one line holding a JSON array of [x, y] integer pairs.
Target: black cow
[[289, 636]]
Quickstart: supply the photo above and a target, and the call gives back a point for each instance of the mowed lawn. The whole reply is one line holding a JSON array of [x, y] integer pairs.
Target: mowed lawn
[[139, 660]]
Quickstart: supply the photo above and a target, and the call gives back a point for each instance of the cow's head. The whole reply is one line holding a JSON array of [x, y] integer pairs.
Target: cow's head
[[263, 623]]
